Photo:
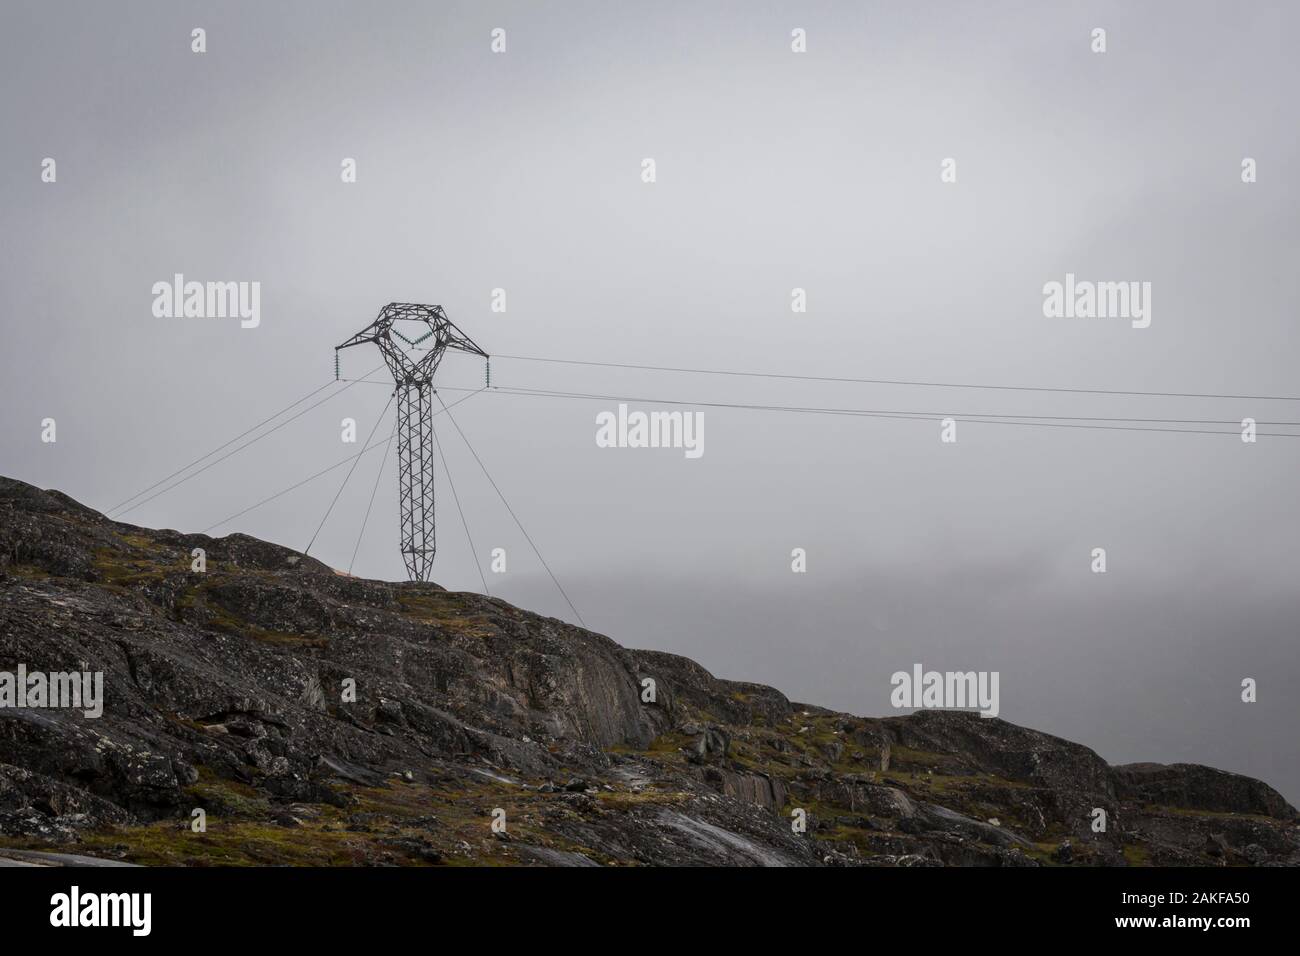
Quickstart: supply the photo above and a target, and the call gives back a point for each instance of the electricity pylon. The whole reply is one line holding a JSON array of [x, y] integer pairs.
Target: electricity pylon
[[414, 380]]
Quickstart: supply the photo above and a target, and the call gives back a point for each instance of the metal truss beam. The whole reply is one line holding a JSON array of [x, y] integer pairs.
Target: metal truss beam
[[430, 332]]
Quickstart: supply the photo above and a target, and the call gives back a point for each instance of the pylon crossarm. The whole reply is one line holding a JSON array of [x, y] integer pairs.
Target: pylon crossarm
[[456, 339]]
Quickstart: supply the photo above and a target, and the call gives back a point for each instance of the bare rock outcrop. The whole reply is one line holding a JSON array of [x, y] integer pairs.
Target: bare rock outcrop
[[323, 718]]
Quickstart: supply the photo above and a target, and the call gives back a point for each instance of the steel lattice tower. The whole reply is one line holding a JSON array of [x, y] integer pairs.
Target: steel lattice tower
[[414, 380]]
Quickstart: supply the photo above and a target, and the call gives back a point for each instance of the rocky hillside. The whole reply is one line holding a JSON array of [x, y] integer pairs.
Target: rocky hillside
[[228, 691]]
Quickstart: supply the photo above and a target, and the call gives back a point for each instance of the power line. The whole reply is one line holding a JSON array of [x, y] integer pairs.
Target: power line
[[473, 553], [285, 491], [218, 448], [379, 474], [348, 477], [311, 478], [446, 408], [885, 381], [235, 451], [901, 415]]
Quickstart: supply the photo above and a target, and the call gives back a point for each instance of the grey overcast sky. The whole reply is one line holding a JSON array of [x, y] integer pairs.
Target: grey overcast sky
[[775, 170]]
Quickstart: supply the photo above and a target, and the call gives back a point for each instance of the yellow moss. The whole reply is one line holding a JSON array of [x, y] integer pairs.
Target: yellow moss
[[218, 618], [117, 569], [28, 571], [669, 743], [1137, 855], [446, 610], [622, 799], [232, 843]]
